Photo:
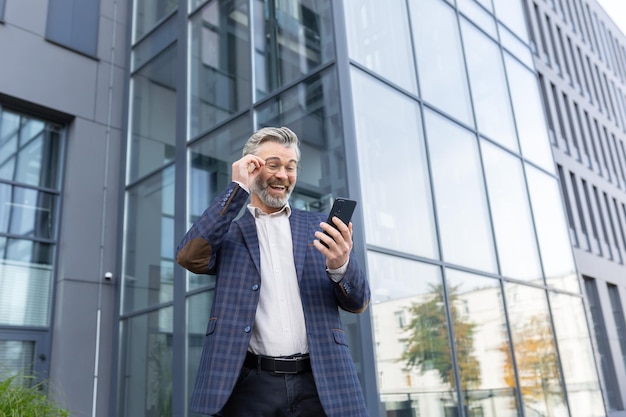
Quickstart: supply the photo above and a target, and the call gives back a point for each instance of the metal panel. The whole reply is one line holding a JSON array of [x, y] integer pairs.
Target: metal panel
[[74, 24]]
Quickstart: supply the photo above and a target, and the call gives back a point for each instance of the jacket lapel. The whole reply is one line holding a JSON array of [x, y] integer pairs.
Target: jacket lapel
[[248, 230], [300, 240]]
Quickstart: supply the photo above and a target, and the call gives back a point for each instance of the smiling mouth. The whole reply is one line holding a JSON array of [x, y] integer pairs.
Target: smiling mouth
[[278, 187]]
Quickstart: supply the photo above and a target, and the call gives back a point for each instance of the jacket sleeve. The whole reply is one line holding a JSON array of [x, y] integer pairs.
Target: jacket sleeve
[[353, 290], [197, 250]]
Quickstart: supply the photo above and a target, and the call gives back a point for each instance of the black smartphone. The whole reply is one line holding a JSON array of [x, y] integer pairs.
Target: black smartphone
[[343, 208]]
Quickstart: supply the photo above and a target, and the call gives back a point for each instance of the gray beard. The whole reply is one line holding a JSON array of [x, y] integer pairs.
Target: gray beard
[[260, 189]]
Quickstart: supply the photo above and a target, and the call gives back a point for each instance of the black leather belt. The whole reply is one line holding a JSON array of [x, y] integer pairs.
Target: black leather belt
[[289, 365]]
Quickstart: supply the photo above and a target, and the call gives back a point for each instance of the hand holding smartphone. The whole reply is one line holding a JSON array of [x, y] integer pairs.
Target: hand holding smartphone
[[343, 208]]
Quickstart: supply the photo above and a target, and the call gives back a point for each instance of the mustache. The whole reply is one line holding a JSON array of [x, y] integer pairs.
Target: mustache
[[278, 182]]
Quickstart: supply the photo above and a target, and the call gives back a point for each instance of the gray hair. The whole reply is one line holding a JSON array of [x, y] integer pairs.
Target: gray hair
[[281, 135]]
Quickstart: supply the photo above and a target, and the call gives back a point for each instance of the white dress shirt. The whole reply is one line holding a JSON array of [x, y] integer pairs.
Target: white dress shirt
[[279, 326]]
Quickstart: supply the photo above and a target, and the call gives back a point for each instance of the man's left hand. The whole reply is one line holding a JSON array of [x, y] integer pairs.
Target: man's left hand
[[339, 241]]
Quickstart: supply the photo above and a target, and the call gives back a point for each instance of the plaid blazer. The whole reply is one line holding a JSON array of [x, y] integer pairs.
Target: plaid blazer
[[217, 244]]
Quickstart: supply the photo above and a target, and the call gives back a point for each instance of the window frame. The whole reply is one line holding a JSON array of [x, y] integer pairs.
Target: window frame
[[40, 336]]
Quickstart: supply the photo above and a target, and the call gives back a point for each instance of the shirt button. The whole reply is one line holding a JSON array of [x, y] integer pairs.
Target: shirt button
[[247, 329], [255, 287]]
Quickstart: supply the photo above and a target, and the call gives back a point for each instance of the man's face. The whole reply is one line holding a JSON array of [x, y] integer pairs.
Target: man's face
[[272, 186]]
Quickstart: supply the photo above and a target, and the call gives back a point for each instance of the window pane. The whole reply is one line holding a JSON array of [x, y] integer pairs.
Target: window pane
[[153, 115], [514, 46], [16, 358], [518, 254], [482, 344], [311, 110], [149, 47], [552, 232], [291, 38], [30, 150], [486, 4], [391, 146], [460, 195], [23, 250], [149, 247], [379, 38], [620, 319], [442, 74], [577, 357], [489, 89], [211, 160], [535, 351], [147, 13], [30, 154], [198, 308], [145, 385], [220, 63], [511, 13], [410, 334], [27, 212], [25, 282], [74, 23], [210, 173], [9, 139], [603, 346], [471, 10], [529, 116]]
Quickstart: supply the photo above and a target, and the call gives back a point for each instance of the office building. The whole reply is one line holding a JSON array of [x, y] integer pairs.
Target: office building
[[483, 140], [580, 56]]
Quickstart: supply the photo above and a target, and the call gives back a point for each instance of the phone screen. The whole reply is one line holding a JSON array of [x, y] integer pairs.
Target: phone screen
[[343, 208]]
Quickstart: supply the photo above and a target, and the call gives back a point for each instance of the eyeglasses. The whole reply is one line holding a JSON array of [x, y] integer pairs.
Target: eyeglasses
[[272, 166]]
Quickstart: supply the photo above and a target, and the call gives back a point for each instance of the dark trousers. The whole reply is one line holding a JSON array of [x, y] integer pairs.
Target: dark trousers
[[260, 393]]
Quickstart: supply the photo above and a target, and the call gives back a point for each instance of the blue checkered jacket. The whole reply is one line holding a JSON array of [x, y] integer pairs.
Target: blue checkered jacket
[[219, 245]]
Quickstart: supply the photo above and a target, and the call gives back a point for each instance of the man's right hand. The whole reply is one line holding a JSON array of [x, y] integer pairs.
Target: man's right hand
[[246, 169]]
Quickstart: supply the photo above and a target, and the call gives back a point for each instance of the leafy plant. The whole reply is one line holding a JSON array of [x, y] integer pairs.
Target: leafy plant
[[20, 396]]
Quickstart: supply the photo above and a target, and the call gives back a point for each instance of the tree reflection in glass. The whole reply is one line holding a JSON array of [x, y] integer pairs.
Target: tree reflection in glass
[[427, 346], [536, 362], [535, 352]]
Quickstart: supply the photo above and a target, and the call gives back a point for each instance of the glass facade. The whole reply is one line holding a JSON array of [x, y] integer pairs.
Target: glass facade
[[153, 123], [146, 356], [31, 153], [147, 14], [290, 39], [463, 232], [149, 257], [578, 53], [220, 69], [467, 241]]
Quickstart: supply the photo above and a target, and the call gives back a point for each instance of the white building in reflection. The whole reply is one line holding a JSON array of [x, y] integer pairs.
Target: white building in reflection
[[416, 391]]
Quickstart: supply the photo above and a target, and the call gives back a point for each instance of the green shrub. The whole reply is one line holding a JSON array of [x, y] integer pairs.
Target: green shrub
[[20, 399]]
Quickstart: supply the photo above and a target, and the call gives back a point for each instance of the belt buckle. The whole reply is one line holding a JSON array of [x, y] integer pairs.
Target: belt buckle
[[286, 360]]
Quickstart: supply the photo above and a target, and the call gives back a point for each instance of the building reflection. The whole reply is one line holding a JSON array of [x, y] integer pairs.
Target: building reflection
[[495, 352]]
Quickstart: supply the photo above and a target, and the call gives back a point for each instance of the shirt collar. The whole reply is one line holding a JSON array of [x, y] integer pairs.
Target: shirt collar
[[257, 212]]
